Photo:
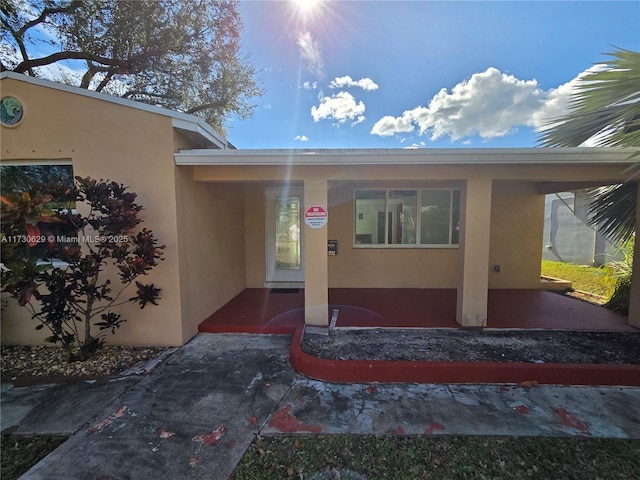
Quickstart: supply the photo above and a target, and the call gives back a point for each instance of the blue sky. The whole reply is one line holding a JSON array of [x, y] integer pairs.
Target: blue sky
[[402, 74]]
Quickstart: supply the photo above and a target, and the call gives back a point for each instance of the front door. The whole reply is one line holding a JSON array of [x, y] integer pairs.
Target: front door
[[284, 235]]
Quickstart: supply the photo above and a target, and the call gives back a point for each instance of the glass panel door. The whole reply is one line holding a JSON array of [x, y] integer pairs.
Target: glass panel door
[[284, 235]]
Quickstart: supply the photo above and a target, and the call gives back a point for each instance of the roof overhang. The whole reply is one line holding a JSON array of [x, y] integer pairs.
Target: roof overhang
[[199, 132], [440, 156]]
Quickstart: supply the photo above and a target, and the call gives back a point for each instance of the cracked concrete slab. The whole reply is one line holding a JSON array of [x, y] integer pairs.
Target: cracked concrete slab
[[409, 409], [197, 412], [57, 409], [193, 417]]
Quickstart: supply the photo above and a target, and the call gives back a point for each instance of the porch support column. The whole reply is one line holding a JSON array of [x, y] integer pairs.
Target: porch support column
[[473, 259], [634, 297], [316, 276]]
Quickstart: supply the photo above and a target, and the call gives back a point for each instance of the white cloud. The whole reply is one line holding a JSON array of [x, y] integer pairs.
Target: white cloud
[[310, 85], [311, 53], [556, 103], [339, 107], [347, 81], [301, 138], [388, 126], [488, 104], [415, 146]]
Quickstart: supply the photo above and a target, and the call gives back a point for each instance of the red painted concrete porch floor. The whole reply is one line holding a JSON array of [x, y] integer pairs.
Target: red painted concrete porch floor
[[258, 310], [282, 312]]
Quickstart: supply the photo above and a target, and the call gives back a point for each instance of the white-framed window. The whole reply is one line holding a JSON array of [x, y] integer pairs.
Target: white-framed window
[[46, 183], [407, 218]]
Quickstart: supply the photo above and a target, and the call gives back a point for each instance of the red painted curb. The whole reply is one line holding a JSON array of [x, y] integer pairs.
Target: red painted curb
[[384, 371]]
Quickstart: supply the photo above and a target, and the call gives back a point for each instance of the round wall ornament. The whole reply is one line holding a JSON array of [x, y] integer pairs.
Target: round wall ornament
[[10, 111]]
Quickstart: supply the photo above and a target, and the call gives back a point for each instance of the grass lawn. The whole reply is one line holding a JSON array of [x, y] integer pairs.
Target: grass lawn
[[589, 279], [443, 458]]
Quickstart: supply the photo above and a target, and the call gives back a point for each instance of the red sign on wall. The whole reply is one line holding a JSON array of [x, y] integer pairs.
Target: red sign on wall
[[316, 216]]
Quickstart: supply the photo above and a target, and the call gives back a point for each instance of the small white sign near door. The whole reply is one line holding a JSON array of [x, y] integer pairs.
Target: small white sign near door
[[316, 216]]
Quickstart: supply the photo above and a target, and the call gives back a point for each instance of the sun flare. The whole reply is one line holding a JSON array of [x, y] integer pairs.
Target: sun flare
[[306, 5], [307, 8]]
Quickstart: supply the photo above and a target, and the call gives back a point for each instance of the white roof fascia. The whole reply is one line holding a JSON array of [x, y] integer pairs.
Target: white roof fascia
[[180, 121], [449, 156], [194, 125]]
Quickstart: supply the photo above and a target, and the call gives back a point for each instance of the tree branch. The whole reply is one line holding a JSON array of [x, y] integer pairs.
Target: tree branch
[[44, 14], [67, 55], [104, 82], [207, 106]]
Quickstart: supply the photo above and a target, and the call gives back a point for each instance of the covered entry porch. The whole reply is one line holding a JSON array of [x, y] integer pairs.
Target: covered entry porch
[[281, 311], [462, 228]]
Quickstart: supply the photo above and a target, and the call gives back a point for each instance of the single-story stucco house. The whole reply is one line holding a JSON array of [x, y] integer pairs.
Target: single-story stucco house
[[232, 219]]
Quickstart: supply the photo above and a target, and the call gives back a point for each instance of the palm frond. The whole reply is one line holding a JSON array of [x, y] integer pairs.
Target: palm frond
[[605, 105], [605, 110], [613, 210]]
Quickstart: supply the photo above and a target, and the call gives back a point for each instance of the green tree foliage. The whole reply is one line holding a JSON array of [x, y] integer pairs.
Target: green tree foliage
[[72, 300], [621, 271], [180, 54], [605, 109]]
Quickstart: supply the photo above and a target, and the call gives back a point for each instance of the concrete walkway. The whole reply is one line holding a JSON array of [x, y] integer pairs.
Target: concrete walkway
[[195, 415], [411, 409]]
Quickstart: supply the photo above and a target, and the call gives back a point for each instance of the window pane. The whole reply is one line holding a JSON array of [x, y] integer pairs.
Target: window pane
[[288, 233], [435, 217], [38, 181], [402, 213], [370, 212]]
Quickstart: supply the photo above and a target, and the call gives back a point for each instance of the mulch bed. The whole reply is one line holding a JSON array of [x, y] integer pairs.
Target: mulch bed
[[529, 346], [42, 361]]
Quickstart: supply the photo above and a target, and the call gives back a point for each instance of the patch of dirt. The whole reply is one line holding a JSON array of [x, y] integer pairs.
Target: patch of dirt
[[527, 346], [584, 296]]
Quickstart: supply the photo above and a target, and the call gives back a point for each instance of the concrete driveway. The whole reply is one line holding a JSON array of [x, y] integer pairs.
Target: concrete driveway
[[195, 415]]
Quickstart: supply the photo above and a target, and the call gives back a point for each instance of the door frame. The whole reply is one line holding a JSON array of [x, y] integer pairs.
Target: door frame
[[274, 277]]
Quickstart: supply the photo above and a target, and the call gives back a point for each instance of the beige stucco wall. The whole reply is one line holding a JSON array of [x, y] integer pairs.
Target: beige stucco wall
[[517, 221], [516, 218], [255, 228], [549, 173], [105, 140], [517, 214], [211, 246]]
